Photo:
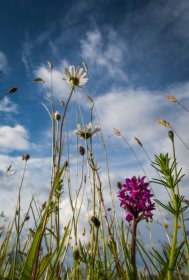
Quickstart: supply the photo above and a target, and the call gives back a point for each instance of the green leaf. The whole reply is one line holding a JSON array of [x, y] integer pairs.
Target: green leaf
[[44, 264], [60, 250], [28, 267], [38, 80]]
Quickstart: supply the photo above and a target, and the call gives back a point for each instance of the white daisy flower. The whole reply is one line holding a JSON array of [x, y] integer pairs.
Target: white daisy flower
[[75, 77], [86, 132]]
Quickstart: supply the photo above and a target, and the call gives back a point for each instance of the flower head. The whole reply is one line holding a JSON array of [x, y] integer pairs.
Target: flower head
[[86, 132], [75, 77], [135, 198]]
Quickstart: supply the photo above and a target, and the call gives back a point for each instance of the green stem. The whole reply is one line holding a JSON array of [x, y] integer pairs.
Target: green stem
[[133, 249], [173, 247], [177, 187]]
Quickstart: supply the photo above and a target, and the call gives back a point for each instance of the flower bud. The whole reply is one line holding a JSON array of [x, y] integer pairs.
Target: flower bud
[[57, 116], [95, 221], [119, 185], [76, 254], [82, 150], [171, 135], [26, 157]]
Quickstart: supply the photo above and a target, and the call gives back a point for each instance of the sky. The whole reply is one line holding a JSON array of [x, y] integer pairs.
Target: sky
[[136, 52]]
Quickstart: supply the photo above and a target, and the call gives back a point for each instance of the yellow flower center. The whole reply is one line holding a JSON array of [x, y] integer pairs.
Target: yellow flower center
[[74, 81]]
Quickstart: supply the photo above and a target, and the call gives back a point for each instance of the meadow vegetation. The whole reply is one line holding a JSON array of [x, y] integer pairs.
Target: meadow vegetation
[[113, 246]]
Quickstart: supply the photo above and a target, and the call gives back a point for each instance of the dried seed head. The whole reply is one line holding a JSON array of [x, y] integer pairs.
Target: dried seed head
[[171, 98], [62, 102], [171, 135], [82, 150], [76, 254], [95, 221], [57, 116], [13, 90], [32, 232], [163, 122], [84, 231], [117, 132], [119, 185], [165, 226], [27, 218], [66, 163], [138, 141], [26, 157]]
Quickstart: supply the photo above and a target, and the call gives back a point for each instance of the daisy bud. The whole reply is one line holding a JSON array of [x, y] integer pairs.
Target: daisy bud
[[57, 116]]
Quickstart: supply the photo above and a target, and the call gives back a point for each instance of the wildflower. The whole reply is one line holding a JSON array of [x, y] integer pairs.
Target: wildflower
[[135, 198], [75, 77], [163, 122], [86, 132], [171, 98], [117, 132], [57, 116]]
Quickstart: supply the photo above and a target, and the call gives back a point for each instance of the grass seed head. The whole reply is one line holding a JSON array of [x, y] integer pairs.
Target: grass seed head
[[171, 98]]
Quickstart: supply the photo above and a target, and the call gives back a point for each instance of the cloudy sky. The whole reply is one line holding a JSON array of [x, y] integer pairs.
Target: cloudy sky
[[136, 52]]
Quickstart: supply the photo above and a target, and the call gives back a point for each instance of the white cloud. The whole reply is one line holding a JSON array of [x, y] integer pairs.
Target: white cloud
[[7, 106], [134, 112], [14, 138], [60, 88], [36, 181], [108, 54]]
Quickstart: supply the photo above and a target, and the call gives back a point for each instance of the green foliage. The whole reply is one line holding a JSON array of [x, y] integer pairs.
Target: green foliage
[[166, 169]]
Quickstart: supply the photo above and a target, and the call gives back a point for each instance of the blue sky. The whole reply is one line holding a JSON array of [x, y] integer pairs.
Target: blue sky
[[136, 51]]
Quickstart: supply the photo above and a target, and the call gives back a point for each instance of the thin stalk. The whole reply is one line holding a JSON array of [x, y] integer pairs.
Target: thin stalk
[[61, 126], [17, 223], [178, 192], [133, 249], [173, 247]]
